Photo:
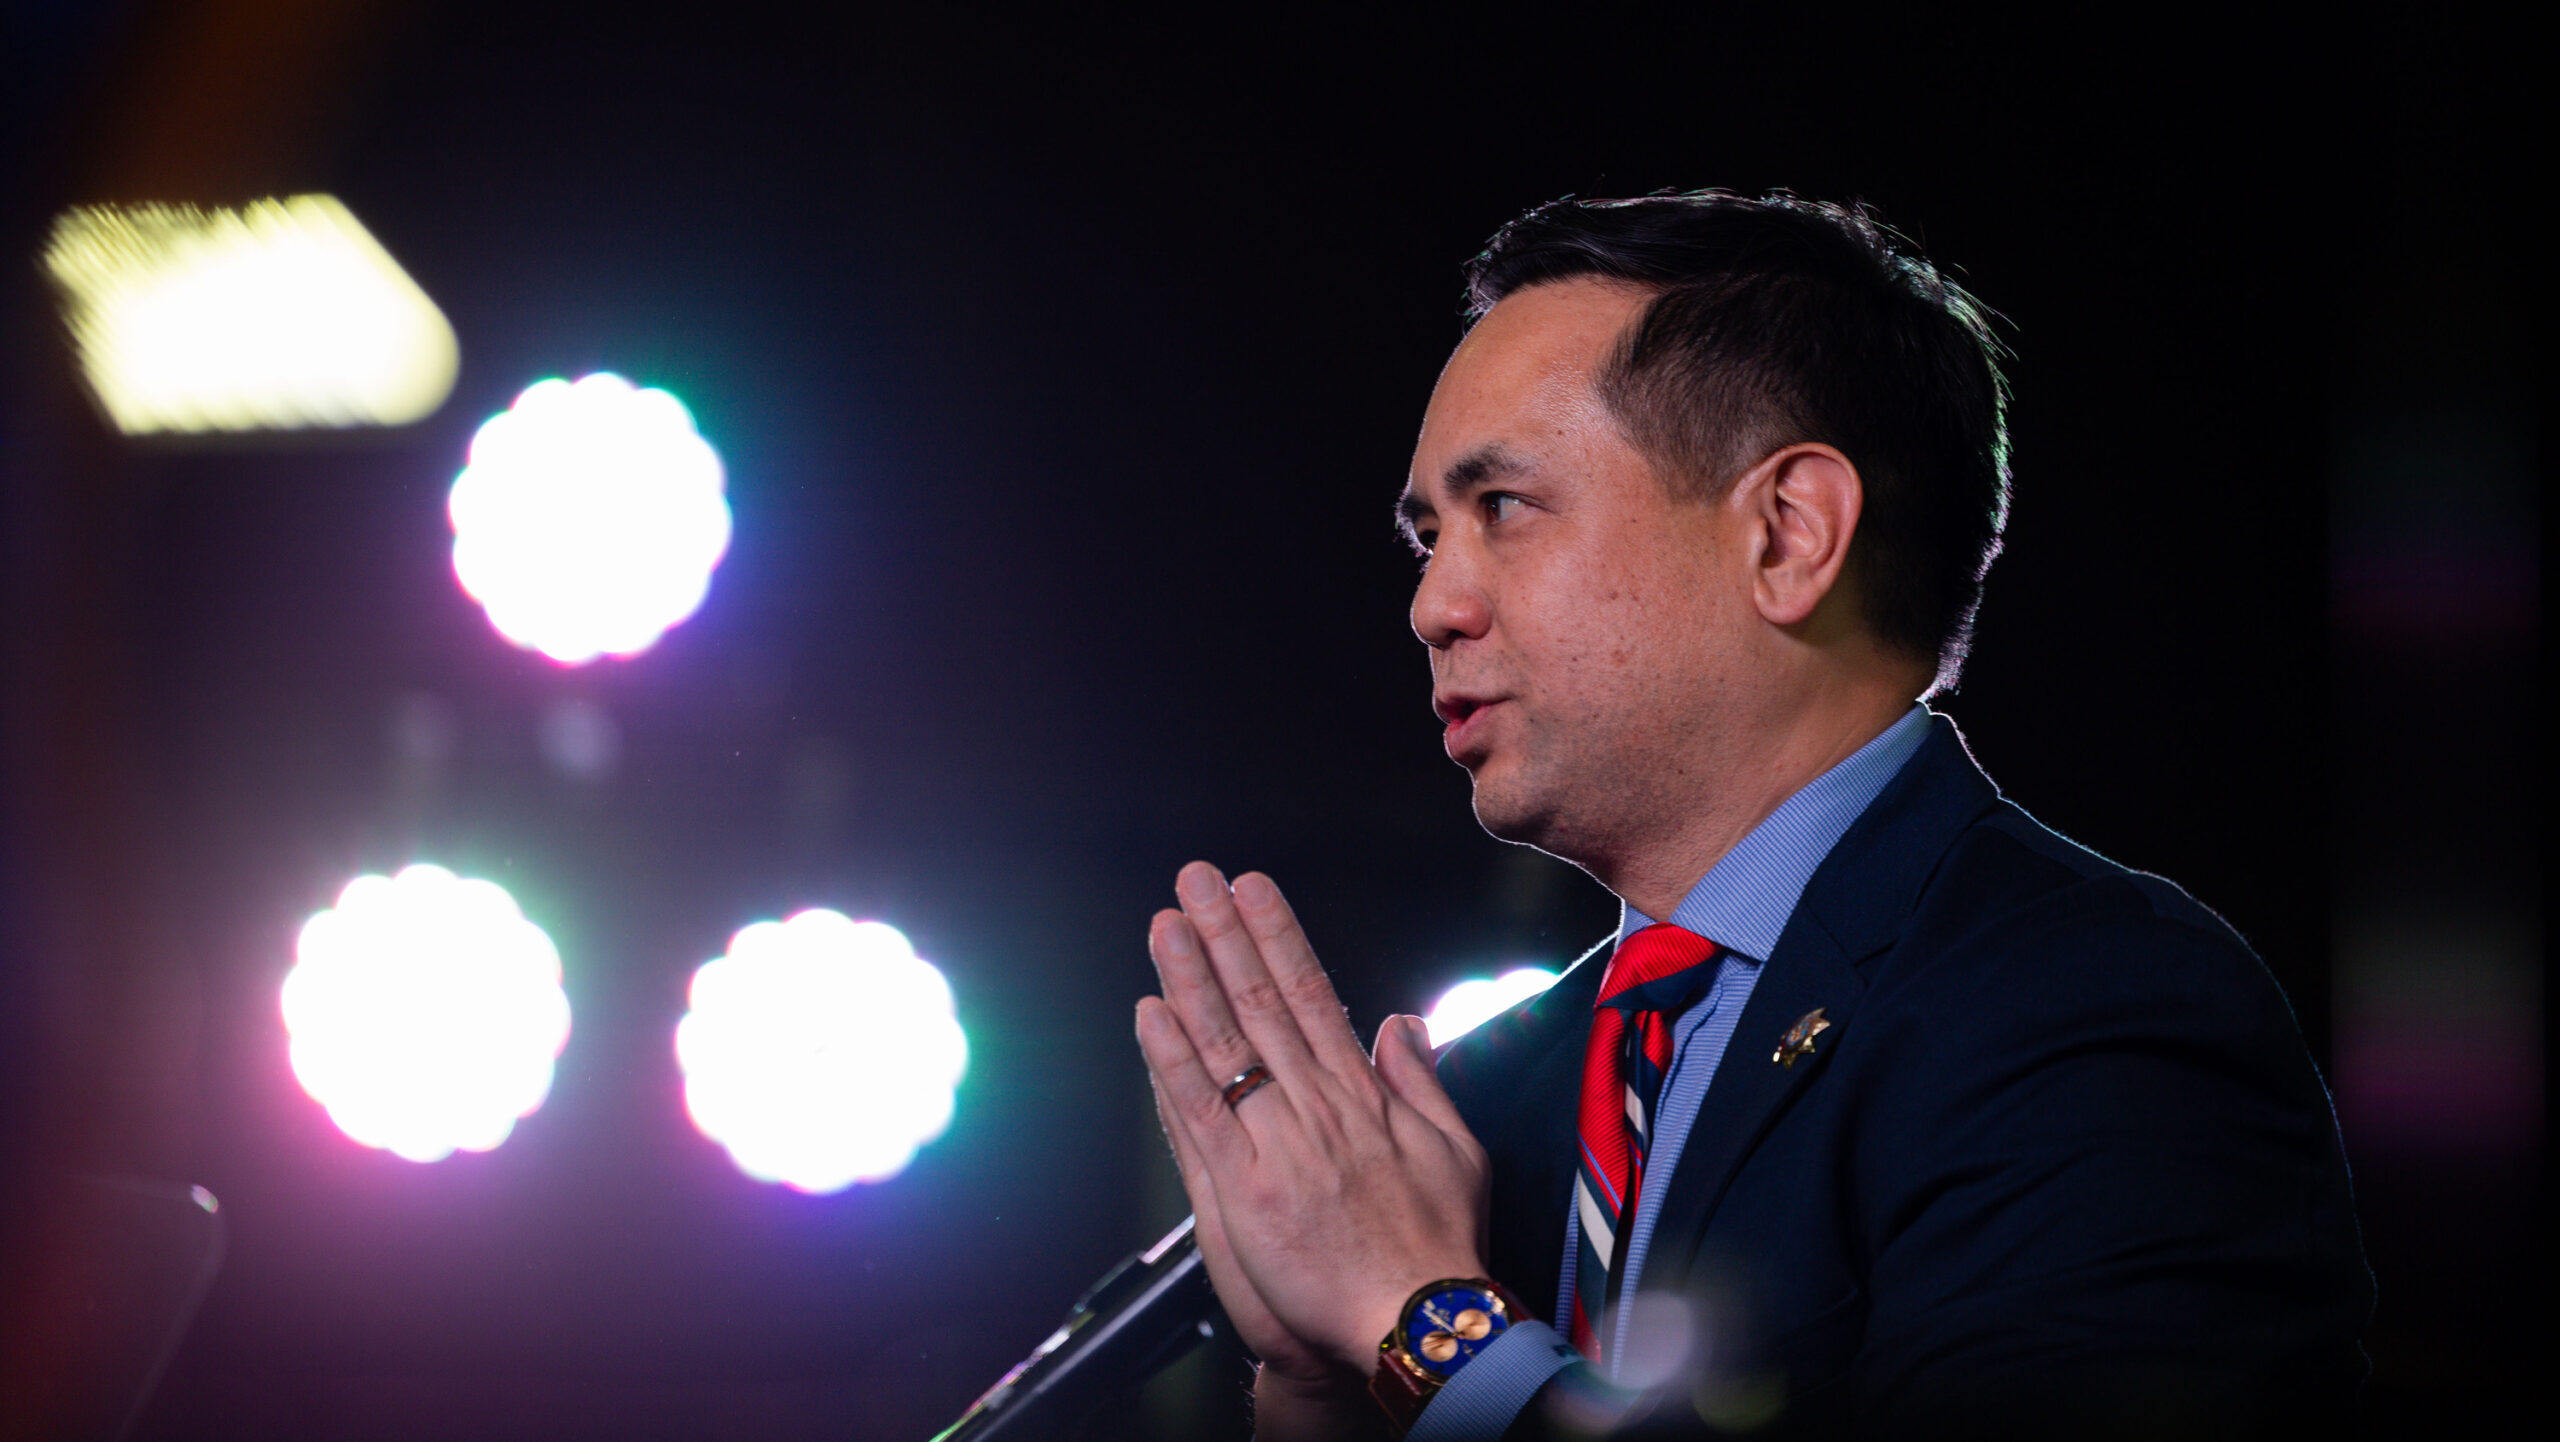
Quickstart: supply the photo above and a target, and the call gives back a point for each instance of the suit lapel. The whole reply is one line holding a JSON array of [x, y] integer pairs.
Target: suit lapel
[[1854, 907], [1751, 1087]]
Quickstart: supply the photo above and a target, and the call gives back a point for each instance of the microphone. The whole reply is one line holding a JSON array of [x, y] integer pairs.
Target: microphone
[[1142, 1317]]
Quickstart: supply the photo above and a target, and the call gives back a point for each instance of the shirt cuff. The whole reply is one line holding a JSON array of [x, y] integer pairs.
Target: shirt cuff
[[1487, 1393]]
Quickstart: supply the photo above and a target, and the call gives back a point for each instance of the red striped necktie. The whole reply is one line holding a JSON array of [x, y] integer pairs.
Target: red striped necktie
[[1656, 974]]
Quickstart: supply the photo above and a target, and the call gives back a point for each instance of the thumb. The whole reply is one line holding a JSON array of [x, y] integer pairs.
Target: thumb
[[1405, 1061]]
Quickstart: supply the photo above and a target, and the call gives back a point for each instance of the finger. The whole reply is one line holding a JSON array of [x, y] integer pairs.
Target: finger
[[1244, 1306], [1261, 1012], [1208, 1221], [1196, 1101], [1196, 1181], [1405, 1062], [1299, 975], [1198, 1001]]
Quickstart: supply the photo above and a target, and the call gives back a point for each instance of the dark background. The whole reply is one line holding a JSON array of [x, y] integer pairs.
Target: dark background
[[1065, 365]]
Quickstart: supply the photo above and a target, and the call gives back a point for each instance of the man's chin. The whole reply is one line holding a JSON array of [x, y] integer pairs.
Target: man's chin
[[1509, 811]]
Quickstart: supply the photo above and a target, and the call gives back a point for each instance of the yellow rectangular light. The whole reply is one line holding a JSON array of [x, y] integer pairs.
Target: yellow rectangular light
[[279, 315]]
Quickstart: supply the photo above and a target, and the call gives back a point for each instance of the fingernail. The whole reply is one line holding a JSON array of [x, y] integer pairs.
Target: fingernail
[[1255, 889], [1200, 883], [1417, 1033]]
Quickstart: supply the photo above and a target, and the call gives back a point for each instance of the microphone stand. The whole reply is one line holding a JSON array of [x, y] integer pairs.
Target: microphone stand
[[1143, 1316]]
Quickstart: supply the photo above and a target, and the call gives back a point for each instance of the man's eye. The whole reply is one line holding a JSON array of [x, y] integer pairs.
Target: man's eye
[[1422, 541], [1500, 506]]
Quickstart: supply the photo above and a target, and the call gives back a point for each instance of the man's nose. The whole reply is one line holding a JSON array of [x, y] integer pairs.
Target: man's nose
[[1449, 606]]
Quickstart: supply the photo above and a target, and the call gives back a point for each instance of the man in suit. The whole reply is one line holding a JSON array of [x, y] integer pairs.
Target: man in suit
[[1887, 1111]]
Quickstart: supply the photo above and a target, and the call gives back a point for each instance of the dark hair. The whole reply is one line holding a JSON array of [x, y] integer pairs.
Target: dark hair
[[1782, 320]]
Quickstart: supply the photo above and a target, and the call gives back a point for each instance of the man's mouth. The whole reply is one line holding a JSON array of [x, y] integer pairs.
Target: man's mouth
[[1463, 718]]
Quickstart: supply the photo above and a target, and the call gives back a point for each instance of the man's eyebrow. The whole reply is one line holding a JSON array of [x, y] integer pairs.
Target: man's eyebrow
[[1466, 475], [1479, 468]]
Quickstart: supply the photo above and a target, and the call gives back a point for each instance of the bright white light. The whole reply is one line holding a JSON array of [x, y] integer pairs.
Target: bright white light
[[820, 1051], [589, 518], [1470, 1004], [425, 1012], [280, 315]]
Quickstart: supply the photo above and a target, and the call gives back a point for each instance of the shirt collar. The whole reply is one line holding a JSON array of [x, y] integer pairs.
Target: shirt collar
[[1744, 900]]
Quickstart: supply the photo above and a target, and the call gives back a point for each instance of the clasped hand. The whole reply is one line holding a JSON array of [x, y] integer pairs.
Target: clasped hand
[[1326, 1197]]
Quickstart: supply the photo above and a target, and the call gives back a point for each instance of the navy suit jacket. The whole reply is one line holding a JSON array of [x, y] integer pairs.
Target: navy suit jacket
[[2060, 1166]]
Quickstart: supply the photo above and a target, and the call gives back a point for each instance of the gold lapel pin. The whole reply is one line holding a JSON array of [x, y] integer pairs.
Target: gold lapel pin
[[1798, 1042]]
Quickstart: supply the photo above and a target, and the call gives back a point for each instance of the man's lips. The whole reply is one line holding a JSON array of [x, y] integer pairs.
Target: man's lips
[[1463, 718]]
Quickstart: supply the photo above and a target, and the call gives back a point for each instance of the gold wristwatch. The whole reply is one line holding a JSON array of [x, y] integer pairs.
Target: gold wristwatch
[[1443, 1326]]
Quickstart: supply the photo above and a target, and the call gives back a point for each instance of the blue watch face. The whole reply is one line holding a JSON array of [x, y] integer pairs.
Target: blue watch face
[[1447, 1328]]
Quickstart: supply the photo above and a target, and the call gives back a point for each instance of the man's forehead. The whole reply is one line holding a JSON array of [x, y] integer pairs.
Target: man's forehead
[[1558, 321], [1545, 338], [1523, 375]]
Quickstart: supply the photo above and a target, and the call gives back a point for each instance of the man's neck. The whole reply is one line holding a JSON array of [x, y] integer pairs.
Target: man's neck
[[1656, 874]]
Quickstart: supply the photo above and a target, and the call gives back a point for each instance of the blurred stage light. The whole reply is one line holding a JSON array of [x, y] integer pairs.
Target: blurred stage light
[[1470, 1004], [281, 315], [589, 518], [820, 1051], [425, 1011]]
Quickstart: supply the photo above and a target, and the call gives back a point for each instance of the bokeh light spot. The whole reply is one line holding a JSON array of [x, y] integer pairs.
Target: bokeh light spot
[[1470, 1004], [278, 315], [820, 1051], [580, 739], [424, 1012], [589, 518]]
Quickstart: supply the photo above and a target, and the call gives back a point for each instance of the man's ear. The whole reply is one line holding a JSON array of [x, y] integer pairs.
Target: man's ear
[[1804, 505]]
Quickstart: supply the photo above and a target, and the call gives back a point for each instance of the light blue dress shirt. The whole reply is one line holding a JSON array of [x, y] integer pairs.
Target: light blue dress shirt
[[1742, 903]]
